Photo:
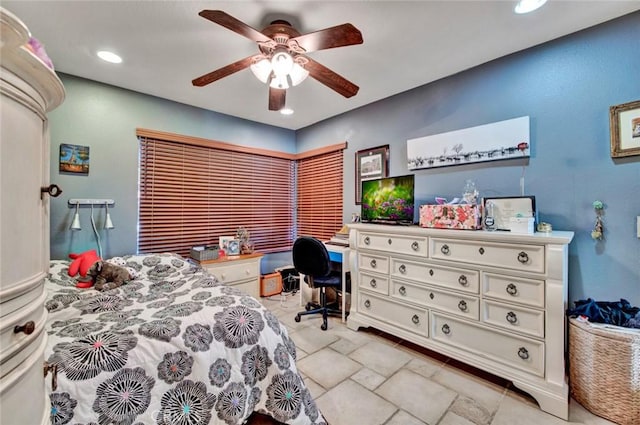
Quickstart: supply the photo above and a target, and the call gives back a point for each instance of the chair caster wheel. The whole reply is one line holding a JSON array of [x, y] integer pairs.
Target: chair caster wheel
[[297, 319], [323, 326], [307, 307]]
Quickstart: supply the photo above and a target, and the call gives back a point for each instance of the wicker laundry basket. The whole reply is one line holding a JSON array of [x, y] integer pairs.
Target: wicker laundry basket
[[604, 371]]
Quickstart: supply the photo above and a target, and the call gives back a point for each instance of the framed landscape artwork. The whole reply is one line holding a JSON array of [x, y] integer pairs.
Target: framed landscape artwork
[[74, 159], [624, 123], [371, 164]]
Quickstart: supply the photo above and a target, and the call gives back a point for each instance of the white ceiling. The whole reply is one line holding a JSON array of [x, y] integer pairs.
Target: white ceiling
[[165, 44]]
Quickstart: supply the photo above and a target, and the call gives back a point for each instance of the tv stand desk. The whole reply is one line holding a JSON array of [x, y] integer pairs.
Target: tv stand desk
[[337, 254]]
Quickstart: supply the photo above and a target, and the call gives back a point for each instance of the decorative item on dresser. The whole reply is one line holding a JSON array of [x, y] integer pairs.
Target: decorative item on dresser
[[241, 271], [29, 89], [494, 300]]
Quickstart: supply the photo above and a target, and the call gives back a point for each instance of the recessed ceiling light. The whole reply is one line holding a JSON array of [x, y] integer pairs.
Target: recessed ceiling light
[[109, 56], [286, 111], [526, 6]]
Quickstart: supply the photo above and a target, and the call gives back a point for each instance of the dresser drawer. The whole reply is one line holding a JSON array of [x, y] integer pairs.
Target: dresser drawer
[[458, 304], [528, 258], [374, 283], [410, 318], [514, 289], [373, 263], [455, 278], [515, 351], [411, 245], [514, 318], [234, 272]]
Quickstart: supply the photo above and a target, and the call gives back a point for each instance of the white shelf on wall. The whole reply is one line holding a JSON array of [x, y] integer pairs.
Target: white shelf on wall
[[96, 202]]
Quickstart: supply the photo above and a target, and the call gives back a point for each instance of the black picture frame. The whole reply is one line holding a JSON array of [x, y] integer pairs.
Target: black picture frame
[[372, 163]]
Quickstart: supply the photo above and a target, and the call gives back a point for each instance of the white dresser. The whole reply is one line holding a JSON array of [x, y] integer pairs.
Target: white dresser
[[494, 300], [28, 91], [241, 271]]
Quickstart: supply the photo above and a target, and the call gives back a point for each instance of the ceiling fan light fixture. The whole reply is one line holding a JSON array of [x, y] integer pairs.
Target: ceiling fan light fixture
[[262, 69], [526, 6], [282, 63], [298, 74], [279, 82]]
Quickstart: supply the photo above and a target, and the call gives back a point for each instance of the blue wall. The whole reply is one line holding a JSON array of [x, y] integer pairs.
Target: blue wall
[[565, 86], [105, 118]]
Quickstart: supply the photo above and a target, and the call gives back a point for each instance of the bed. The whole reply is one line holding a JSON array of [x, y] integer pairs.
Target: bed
[[174, 346]]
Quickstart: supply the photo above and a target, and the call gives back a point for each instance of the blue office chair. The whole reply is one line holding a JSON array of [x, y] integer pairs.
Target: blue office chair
[[311, 258]]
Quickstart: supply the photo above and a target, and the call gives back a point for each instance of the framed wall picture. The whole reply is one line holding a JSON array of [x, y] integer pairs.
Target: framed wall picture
[[371, 164], [74, 159], [624, 123]]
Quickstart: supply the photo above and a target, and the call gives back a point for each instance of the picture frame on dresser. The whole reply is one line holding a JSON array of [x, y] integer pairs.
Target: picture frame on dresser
[[624, 123], [372, 163]]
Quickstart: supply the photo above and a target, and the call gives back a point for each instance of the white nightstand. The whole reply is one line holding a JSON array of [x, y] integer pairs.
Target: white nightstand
[[241, 271]]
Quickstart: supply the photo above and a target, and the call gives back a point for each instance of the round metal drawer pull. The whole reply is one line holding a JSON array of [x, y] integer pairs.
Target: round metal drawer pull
[[523, 353], [367, 241], [415, 319], [430, 272], [511, 289], [481, 251], [444, 249], [415, 246], [373, 263], [373, 283], [402, 269], [446, 329], [462, 305], [512, 318], [27, 328], [389, 241], [431, 295], [462, 280], [523, 257], [367, 303], [402, 290]]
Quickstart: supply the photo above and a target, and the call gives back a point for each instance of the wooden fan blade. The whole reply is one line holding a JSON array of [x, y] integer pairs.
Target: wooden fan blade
[[229, 22], [338, 36], [277, 98], [331, 79], [223, 72]]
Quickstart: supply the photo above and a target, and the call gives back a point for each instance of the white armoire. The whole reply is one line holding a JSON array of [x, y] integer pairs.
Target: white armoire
[[29, 89]]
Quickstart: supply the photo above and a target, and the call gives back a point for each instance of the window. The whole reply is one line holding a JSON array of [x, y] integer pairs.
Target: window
[[192, 191], [319, 197]]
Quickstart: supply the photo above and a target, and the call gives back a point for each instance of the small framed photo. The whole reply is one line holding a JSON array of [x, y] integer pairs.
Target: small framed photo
[[233, 247], [371, 164], [624, 123], [224, 243]]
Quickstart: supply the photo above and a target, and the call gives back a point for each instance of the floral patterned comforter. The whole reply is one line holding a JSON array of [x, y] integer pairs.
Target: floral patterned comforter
[[172, 347]]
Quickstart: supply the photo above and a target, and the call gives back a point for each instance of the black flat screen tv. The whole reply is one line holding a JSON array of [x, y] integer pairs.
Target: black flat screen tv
[[388, 200]]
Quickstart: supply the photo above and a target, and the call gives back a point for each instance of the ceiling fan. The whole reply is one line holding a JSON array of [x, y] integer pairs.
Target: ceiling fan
[[282, 62]]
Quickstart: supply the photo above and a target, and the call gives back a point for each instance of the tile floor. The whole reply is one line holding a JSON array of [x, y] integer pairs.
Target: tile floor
[[370, 378]]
